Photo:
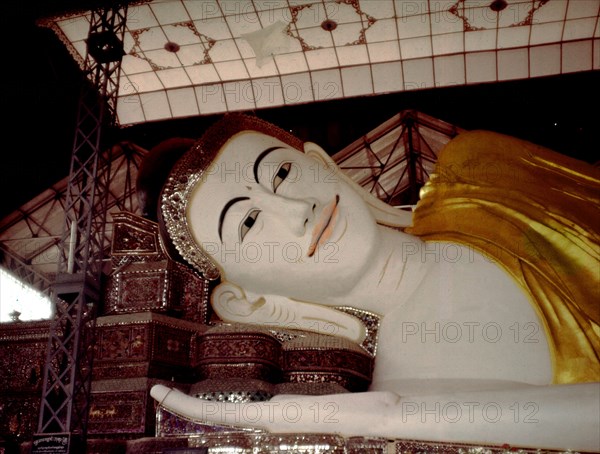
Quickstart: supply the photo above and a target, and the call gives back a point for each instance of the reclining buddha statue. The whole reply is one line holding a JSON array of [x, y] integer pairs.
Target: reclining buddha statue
[[487, 291]]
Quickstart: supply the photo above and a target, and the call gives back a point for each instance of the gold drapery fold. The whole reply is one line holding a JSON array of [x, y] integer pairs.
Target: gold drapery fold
[[537, 213]]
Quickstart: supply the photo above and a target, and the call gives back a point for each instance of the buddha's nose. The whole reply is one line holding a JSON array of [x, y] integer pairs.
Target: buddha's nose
[[296, 214]]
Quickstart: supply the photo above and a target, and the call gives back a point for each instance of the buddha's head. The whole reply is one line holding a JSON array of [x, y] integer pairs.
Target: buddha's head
[[255, 205]]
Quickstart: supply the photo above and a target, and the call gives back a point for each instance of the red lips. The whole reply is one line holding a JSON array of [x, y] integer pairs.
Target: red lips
[[324, 226]]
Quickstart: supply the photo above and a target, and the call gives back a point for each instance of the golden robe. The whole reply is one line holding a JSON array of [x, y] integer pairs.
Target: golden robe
[[537, 213]]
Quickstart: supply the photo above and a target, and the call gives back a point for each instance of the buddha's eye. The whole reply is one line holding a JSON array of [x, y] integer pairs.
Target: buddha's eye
[[248, 223], [281, 174]]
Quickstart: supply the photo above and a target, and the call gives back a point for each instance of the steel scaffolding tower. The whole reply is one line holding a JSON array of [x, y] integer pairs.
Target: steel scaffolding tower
[[30, 236], [67, 376]]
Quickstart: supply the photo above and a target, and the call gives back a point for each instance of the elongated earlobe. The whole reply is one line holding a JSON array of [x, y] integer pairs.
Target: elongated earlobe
[[233, 304]]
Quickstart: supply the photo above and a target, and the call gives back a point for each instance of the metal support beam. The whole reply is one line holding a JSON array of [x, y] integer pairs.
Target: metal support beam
[[394, 160], [67, 376], [412, 157]]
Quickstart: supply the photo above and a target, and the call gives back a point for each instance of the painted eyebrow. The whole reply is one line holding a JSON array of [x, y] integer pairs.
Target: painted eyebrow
[[260, 158], [224, 212]]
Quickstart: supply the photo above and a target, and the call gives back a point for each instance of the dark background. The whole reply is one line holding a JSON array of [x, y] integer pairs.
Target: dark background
[[41, 83]]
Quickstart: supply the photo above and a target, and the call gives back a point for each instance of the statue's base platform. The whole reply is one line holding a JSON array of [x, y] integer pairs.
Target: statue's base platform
[[244, 443], [240, 443], [177, 434]]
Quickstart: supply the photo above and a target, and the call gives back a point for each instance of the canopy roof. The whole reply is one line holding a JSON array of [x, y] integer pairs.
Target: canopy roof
[[201, 57], [394, 160]]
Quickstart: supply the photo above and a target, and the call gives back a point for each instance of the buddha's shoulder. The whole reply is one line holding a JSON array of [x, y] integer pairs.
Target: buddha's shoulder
[[480, 146]]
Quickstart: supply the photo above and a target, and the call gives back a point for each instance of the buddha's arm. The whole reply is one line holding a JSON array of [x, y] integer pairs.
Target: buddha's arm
[[551, 417]]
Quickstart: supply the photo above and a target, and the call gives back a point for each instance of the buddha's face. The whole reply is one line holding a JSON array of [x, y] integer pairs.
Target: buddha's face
[[278, 222]]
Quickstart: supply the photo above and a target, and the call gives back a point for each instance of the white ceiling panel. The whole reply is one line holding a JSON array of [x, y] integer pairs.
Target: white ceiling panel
[[249, 54]]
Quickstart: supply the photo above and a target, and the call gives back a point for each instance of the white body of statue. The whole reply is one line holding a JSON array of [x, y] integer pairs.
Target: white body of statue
[[462, 356]]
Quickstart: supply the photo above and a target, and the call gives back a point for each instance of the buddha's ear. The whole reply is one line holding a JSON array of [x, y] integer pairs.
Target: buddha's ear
[[314, 151], [382, 212], [233, 304]]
